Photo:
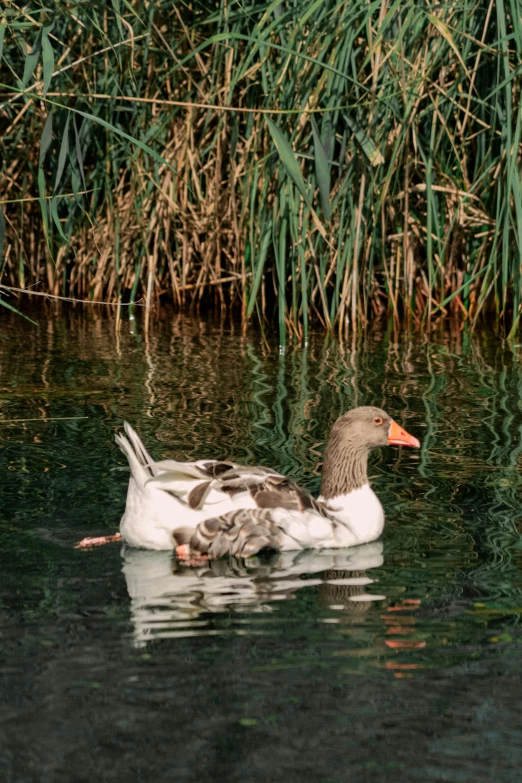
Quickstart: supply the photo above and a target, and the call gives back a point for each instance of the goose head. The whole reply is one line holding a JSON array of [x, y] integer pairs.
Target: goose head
[[367, 428], [353, 436]]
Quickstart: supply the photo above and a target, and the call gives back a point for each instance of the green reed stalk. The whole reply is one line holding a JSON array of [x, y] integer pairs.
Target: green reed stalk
[[388, 135]]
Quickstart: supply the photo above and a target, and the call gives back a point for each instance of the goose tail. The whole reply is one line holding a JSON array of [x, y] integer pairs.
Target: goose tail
[[241, 533], [139, 458]]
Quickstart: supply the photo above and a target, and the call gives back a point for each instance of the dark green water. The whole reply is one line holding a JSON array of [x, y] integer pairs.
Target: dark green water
[[399, 661]]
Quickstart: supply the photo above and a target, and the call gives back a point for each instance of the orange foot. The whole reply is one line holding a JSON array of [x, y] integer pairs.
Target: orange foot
[[89, 542], [183, 553]]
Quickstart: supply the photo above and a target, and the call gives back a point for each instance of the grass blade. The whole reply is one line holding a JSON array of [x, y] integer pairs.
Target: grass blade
[[62, 157], [260, 267], [3, 26], [31, 60], [18, 312], [47, 57], [368, 145], [46, 138], [2, 233], [79, 156], [322, 170], [289, 160]]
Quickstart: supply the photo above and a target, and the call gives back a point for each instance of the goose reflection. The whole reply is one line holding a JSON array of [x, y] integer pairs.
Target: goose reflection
[[169, 599]]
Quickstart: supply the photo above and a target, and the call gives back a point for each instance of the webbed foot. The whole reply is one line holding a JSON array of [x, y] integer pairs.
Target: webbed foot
[[184, 554], [90, 542]]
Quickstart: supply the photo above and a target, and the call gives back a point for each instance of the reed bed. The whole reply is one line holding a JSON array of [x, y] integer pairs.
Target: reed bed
[[334, 162]]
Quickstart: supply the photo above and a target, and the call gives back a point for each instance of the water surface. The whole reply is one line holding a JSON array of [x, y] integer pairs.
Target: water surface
[[399, 660]]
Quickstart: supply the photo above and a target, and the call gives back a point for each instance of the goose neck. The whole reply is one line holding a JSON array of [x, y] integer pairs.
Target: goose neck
[[345, 469]]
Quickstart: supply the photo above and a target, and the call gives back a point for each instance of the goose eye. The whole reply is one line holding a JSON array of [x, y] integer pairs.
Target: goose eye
[[377, 420]]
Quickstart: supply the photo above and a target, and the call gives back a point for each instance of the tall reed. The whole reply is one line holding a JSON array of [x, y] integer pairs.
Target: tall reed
[[338, 161]]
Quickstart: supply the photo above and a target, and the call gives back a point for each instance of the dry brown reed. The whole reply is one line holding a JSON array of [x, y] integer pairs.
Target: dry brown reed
[[341, 162]]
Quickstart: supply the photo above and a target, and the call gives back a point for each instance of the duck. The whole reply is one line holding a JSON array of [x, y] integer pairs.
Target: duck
[[213, 508]]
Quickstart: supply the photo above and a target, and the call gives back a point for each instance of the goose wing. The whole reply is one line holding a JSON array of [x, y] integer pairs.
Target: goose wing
[[285, 518], [259, 487], [241, 533]]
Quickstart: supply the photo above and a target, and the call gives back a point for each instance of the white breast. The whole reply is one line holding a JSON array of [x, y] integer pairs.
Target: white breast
[[360, 514]]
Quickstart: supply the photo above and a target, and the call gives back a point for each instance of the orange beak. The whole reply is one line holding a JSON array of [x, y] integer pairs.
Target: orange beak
[[399, 437]]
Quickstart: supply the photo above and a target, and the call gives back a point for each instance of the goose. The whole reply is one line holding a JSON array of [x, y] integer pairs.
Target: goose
[[213, 508]]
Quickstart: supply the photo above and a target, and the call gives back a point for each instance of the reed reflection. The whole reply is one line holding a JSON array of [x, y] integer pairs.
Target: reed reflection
[[199, 388]]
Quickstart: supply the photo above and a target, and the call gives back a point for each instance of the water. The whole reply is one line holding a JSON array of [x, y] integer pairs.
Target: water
[[399, 660]]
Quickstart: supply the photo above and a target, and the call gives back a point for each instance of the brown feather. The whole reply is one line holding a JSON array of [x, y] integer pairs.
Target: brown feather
[[182, 535], [231, 490], [198, 494], [216, 469], [269, 499], [279, 492], [240, 533]]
